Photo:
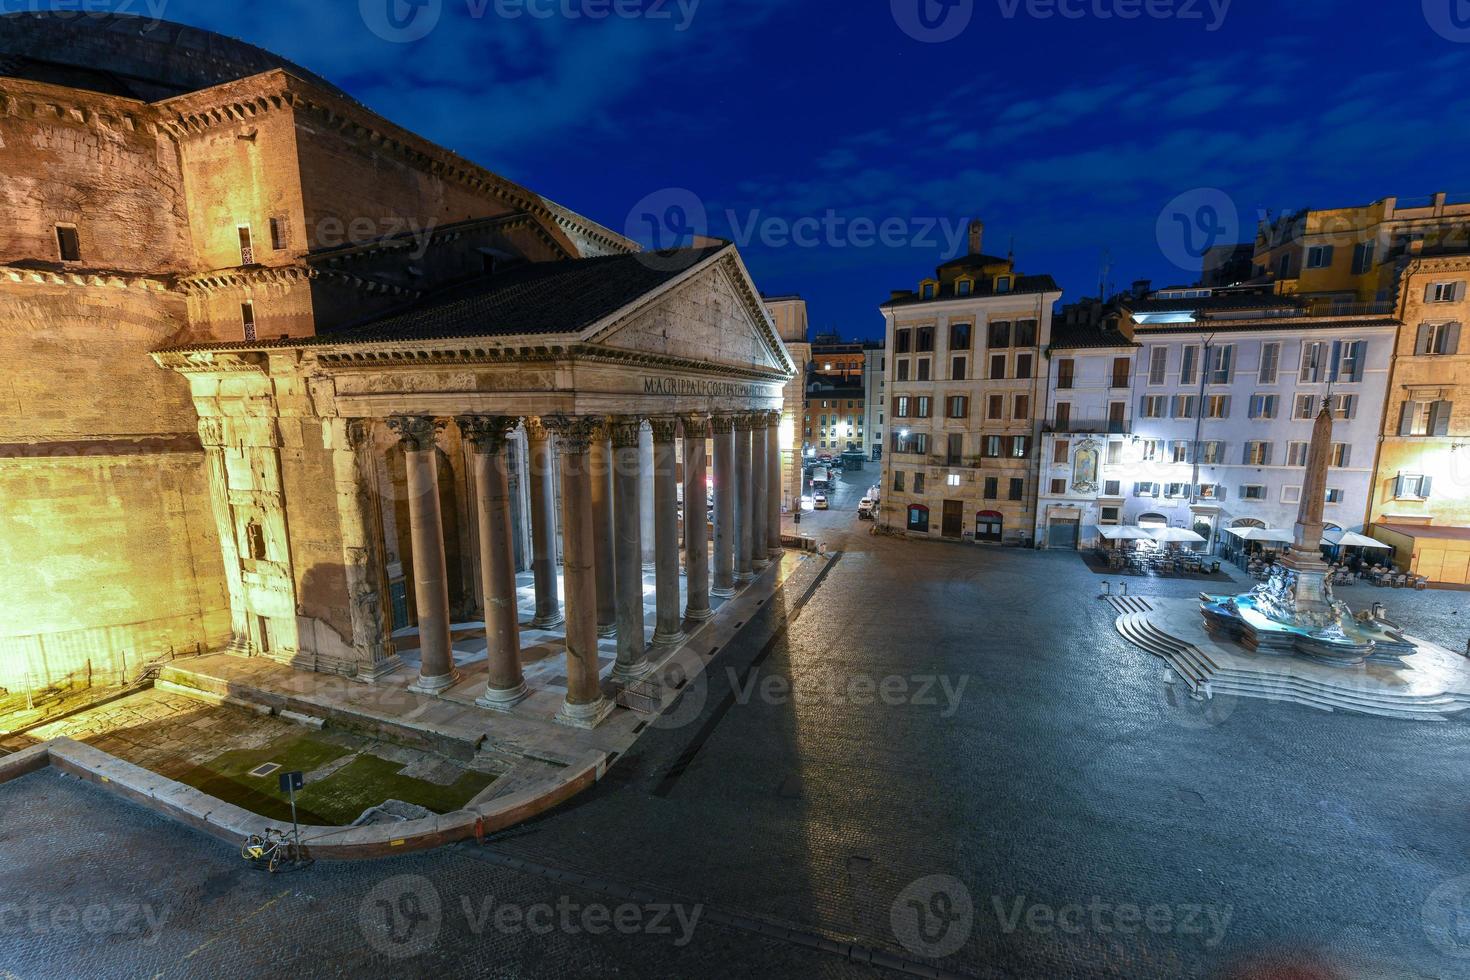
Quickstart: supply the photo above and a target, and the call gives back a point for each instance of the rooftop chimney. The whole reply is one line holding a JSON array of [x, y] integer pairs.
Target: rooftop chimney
[[977, 235]]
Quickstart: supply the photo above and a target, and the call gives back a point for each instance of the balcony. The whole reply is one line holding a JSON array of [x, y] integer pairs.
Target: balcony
[[1086, 427]]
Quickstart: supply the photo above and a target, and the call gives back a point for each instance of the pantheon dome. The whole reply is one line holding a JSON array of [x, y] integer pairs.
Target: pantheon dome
[[126, 55]]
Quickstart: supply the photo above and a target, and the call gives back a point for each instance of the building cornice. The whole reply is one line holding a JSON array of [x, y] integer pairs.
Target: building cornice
[[87, 277]]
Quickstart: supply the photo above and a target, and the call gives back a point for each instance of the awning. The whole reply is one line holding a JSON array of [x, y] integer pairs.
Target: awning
[[1123, 532], [1173, 534], [1261, 534], [1353, 540]]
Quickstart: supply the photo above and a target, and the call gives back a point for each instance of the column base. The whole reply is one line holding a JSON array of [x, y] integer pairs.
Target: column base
[[584, 715], [548, 622], [668, 639], [776, 553], [760, 564], [503, 699], [633, 671], [720, 593], [433, 685], [699, 615], [609, 630], [379, 670]]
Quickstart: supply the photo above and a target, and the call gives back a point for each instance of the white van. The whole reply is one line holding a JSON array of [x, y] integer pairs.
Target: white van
[[865, 509]]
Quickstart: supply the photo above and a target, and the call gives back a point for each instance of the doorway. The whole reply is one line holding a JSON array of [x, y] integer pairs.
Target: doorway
[[989, 526], [953, 523]]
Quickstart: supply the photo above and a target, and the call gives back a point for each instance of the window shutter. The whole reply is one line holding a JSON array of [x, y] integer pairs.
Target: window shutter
[[1219, 491], [1424, 480], [1398, 485], [1429, 293], [1439, 418], [1266, 454], [1242, 491], [1360, 361], [1460, 291], [1336, 360], [1225, 407], [1421, 342], [1452, 341], [1406, 418]]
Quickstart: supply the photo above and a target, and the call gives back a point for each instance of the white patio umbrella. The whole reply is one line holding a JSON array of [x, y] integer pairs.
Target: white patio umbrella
[[1262, 534], [1353, 540], [1176, 535], [1123, 532]]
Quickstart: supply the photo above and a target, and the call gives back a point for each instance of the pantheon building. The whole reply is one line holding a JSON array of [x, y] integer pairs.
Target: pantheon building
[[285, 378]]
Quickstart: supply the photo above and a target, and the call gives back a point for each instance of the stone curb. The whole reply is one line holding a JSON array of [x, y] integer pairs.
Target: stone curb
[[232, 824]]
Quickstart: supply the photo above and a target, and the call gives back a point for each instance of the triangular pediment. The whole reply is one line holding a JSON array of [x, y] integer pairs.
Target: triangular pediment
[[711, 313]]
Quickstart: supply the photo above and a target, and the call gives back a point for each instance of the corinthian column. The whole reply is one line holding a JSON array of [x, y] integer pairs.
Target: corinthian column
[[723, 429], [743, 569], [628, 520], [486, 435], [773, 485], [666, 628], [585, 706], [696, 498], [430, 588], [599, 458], [758, 473], [543, 527]]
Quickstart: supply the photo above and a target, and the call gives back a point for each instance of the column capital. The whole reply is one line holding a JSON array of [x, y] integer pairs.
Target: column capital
[[486, 433], [575, 433], [359, 432], [771, 416], [665, 427], [746, 421], [722, 424], [416, 432], [624, 430], [696, 425], [211, 430]]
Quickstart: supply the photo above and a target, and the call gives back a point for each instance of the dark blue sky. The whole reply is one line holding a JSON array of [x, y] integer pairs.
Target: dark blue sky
[[1069, 134]]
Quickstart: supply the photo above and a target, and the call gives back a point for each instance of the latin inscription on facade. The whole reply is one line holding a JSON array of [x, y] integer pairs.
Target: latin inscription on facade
[[702, 387]]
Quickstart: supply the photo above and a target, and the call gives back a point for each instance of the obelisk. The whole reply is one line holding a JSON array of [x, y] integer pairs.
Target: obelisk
[[1304, 558]]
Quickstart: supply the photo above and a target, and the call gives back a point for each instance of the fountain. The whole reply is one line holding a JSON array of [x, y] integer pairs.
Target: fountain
[[1294, 611]]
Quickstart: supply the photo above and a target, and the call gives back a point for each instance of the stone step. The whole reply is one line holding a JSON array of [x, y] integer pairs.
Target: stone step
[[1131, 627]]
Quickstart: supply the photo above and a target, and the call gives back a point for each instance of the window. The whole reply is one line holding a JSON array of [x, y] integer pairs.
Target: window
[[919, 482], [1025, 333], [1185, 406], [995, 407], [1263, 406], [1109, 515], [1061, 451], [1211, 452], [901, 406], [1217, 406], [959, 336], [1334, 495], [1116, 422], [923, 340], [1121, 368], [956, 449], [1438, 338], [1296, 453], [926, 290], [1023, 365], [1146, 489], [247, 319], [1362, 258], [1153, 406], [1179, 451], [1303, 407], [1425, 418], [913, 444], [898, 481], [1151, 450], [1291, 495], [997, 367], [1002, 284], [1176, 489], [919, 518], [992, 488], [68, 244], [1020, 447], [1112, 488], [1257, 453], [1018, 489], [902, 341], [1065, 367], [952, 480], [957, 368], [963, 287], [1313, 362], [1341, 453], [1253, 491], [1022, 407], [1063, 420], [903, 368], [1000, 333], [992, 447], [278, 235], [1221, 360], [1344, 406], [1270, 361], [1411, 486], [247, 251], [1319, 257], [1350, 360], [1283, 266], [957, 407], [1058, 487], [1158, 365], [923, 364], [1188, 365], [1445, 292], [922, 406], [1211, 491]]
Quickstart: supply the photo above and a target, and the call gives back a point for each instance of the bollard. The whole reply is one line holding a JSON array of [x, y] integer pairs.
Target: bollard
[[1107, 588], [1122, 588]]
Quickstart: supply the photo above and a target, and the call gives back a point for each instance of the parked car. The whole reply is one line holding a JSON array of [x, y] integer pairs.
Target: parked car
[[819, 501], [865, 509]]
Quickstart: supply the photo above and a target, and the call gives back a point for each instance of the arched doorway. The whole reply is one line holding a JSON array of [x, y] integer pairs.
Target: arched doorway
[[989, 525], [919, 518], [1152, 521], [1246, 522]]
